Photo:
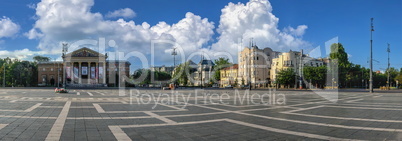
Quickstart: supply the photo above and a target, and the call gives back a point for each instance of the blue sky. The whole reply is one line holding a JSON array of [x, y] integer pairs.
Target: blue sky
[[349, 20]]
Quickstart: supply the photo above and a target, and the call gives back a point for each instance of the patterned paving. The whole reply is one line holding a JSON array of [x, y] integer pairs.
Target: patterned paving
[[40, 114]]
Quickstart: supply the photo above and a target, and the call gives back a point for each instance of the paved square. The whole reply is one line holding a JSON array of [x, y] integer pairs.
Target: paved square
[[101, 114]]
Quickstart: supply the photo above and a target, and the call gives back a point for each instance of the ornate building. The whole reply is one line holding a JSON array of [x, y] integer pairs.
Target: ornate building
[[254, 66], [83, 68]]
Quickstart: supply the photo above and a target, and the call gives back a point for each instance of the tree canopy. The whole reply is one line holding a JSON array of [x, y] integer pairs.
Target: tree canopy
[[39, 58], [286, 77], [18, 73], [220, 63]]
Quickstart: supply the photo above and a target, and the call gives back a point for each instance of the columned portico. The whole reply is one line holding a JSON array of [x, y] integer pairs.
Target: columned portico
[[84, 68], [79, 73], [84, 64]]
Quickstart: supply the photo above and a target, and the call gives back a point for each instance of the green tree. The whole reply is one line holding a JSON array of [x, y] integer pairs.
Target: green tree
[[39, 58], [220, 63], [315, 75], [286, 77], [399, 79], [18, 73], [181, 72], [339, 57]]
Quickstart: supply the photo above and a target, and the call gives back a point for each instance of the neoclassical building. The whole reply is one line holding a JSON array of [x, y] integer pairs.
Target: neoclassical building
[[83, 68]]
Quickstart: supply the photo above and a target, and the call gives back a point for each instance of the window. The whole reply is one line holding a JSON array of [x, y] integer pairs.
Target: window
[[51, 69], [43, 69]]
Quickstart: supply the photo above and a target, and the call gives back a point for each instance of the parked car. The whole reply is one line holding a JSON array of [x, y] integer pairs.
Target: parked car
[[244, 86], [229, 86]]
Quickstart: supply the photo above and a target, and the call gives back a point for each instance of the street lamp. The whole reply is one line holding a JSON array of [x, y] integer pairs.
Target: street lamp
[[174, 53], [371, 56], [4, 74], [64, 50], [388, 50]]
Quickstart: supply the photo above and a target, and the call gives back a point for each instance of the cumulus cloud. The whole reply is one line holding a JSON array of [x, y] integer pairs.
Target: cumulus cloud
[[7, 27], [239, 23], [72, 20], [33, 34], [124, 13], [299, 31], [24, 54], [31, 6]]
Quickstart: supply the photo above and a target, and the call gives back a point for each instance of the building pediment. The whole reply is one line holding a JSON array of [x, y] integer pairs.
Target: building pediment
[[85, 52]]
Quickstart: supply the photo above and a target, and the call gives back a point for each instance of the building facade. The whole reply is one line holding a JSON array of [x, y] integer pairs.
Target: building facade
[[229, 76], [204, 73], [254, 66], [295, 60], [83, 67]]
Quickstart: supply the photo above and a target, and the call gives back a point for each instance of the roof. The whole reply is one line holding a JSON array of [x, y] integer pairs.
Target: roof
[[206, 62], [190, 62], [235, 66], [51, 62], [84, 52]]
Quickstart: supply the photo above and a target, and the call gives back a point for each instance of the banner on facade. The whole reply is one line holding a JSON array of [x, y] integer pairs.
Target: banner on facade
[[84, 70], [96, 73], [75, 73], [68, 71], [93, 73], [101, 72]]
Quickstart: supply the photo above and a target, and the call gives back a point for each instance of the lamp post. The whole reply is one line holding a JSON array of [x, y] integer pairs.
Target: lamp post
[[371, 57], [64, 50], [4, 74], [301, 70], [388, 50], [58, 75], [174, 53]]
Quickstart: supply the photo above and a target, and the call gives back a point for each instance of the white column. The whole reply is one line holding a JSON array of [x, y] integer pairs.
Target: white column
[[79, 73], [96, 72], [72, 76], [104, 72], [89, 72]]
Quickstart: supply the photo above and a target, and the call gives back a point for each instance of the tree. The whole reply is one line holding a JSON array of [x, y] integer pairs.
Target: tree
[[143, 76], [339, 57], [286, 77], [18, 73], [317, 75], [39, 58], [393, 73], [220, 63], [181, 73]]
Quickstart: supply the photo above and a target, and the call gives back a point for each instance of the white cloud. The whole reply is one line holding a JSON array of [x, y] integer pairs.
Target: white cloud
[[7, 27], [72, 20], [241, 22], [124, 13], [24, 54], [33, 34], [31, 6], [299, 31]]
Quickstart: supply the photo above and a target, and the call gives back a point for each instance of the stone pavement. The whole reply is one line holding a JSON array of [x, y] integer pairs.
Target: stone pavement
[[40, 114]]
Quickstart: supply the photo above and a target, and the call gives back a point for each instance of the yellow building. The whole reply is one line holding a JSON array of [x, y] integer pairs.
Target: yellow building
[[254, 66], [229, 76], [292, 59]]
